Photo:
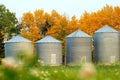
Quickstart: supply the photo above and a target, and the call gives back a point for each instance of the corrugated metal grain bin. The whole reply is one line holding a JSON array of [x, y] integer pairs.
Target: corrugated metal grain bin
[[107, 45], [17, 44], [78, 48], [49, 51]]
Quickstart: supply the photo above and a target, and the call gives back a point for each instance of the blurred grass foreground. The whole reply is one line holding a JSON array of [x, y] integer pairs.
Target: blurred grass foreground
[[26, 67]]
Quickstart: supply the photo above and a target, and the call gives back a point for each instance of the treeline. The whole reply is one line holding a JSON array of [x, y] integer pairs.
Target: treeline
[[37, 24]]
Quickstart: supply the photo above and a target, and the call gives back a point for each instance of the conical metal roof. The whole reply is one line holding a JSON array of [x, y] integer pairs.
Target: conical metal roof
[[18, 39], [106, 29], [78, 33], [48, 39]]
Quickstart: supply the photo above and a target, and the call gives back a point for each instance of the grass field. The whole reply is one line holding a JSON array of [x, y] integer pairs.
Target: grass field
[[39, 72]]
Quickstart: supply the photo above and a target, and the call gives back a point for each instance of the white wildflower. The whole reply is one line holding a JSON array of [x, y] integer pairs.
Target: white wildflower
[[34, 72], [9, 62], [87, 71]]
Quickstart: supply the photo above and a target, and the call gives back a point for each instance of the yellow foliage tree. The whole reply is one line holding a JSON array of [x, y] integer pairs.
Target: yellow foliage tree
[[58, 29], [90, 22], [29, 28], [72, 25]]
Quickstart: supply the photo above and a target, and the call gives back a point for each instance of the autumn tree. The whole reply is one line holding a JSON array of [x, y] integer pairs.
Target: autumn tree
[[35, 25], [73, 25], [90, 22], [58, 30], [43, 21], [29, 28]]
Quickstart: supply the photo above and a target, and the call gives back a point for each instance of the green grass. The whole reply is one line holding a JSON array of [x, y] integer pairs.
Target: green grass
[[57, 73]]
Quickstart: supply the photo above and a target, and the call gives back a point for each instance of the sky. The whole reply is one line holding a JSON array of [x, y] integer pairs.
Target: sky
[[69, 7]]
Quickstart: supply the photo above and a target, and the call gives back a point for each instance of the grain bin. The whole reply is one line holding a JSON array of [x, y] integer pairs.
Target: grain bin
[[49, 51], [78, 48], [107, 45], [17, 45]]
